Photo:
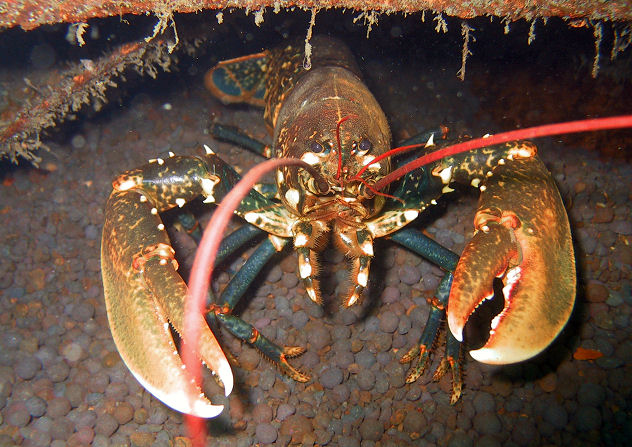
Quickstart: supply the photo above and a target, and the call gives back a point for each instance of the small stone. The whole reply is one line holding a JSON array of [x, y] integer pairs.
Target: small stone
[[141, 439], [72, 352], [388, 321], [603, 214], [591, 394], [123, 413], [318, 335], [390, 295], [296, 426], [266, 433], [285, 410], [415, 424], [82, 312], [17, 414], [36, 406], [366, 380], [371, 429], [484, 402], [409, 274], [58, 407], [106, 425], [487, 423], [58, 372], [28, 367], [548, 383], [556, 415], [262, 413], [331, 377], [587, 418], [596, 292]]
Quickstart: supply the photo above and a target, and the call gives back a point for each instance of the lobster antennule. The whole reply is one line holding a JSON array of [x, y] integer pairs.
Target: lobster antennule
[[342, 120]]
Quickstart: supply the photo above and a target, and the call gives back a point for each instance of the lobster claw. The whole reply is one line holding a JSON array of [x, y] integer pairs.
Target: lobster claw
[[144, 295], [523, 237]]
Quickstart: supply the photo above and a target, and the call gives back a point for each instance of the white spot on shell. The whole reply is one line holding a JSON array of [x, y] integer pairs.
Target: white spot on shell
[[160, 161], [446, 174], [304, 268], [310, 158], [161, 227], [362, 278], [143, 199], [250, 217], [292, 196], [367, 248], [300, 240], [154, 211], [430, 141], [475, 182], [483, 188], [180, 202], [312, 294], [125, 185], [171, 154], [411, 214]]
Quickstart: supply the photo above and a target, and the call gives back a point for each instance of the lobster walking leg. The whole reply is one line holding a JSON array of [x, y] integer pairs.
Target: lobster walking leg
[[434, 252]]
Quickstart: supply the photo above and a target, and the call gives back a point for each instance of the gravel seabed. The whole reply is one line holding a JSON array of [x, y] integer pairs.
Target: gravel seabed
[[63, 383]]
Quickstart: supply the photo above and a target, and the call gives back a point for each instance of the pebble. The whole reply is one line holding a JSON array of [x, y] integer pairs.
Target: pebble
[[388, 321], [106, 425], [484, 402], [366, 379], [556, 415], [284, 410], [587, 418], [28, 367], [262, 413], [17, 414], [58, 407], [487, 423], [36, 406], [591, 394], [596, 292], [296, 426], [331, 377], [409, 275], [390, 294], [266, 433], [123, 413], [371, 429]]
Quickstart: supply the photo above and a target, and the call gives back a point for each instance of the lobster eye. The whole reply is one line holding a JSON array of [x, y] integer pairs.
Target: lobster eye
[[365, 145], [316, 147]]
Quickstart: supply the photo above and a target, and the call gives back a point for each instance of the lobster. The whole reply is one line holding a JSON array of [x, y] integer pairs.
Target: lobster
[[327, 117]]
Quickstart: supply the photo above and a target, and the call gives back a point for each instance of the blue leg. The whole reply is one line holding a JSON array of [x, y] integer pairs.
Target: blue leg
[[239, 138], [231, 295], [434, 252]]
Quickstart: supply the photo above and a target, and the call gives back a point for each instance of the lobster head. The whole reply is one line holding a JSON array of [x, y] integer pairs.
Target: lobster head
[[338, 137]]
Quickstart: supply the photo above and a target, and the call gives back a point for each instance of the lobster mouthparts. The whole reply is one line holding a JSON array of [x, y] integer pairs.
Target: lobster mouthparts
[[524, 241]]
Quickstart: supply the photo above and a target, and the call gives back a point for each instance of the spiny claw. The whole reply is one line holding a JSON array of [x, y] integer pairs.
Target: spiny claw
[[523, 238], [144, 295]]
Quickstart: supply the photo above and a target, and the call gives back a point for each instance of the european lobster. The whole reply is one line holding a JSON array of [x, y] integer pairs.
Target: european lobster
[[328, 118]]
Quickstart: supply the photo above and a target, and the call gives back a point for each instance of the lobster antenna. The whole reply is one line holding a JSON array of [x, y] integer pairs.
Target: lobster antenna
[[613, 122]]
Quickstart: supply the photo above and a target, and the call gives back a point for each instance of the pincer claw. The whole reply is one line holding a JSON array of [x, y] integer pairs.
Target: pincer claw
[[528, 247]]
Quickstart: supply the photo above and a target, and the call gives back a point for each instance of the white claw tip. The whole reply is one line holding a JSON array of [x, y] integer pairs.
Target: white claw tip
[[430, 141], [208, 150]]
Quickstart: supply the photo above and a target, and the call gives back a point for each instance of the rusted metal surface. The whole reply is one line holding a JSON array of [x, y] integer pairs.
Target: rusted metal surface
[[30, 14]]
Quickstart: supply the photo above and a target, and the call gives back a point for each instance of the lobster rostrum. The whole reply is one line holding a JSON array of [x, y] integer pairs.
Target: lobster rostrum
[[326, 117]]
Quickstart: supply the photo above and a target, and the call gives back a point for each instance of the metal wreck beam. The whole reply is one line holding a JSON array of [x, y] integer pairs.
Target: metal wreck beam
[[30, 14]]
